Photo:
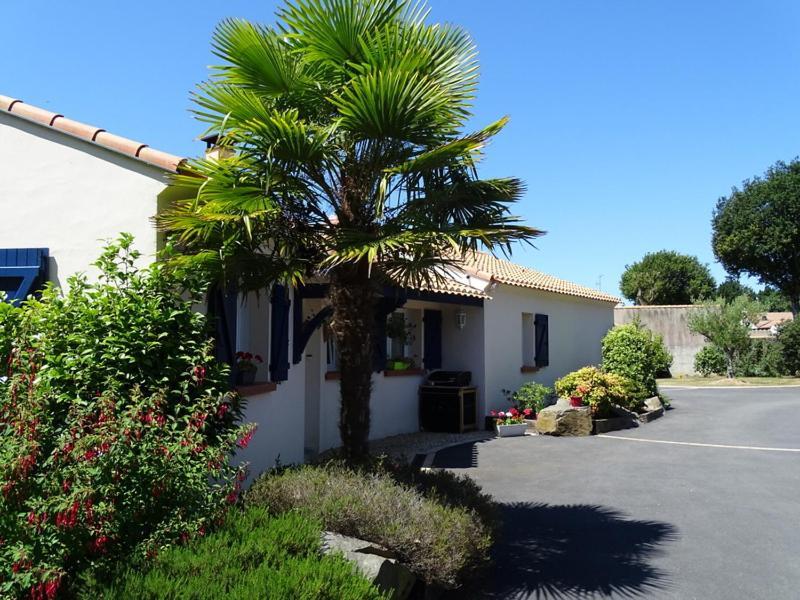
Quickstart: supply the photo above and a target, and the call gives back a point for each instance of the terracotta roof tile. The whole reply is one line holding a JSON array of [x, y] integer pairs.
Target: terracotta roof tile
[[450, 286], [90, 133], [502, 271]]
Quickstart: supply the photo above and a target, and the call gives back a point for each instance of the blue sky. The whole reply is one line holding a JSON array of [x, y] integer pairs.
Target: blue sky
[[629, 118]]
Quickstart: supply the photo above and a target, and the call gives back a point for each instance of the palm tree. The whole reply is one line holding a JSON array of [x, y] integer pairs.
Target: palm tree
[[345, 158]]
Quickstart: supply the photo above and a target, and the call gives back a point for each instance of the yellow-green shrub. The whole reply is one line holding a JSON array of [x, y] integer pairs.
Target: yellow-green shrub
[[598, 389]]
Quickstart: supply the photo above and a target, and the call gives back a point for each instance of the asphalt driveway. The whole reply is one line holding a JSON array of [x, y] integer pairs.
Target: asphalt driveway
[[714, 514]]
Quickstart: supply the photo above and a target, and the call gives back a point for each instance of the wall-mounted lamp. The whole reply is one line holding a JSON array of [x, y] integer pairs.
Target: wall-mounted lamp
[[461, 319]]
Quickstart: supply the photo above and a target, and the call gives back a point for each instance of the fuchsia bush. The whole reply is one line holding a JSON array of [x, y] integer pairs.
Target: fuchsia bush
[[116, 427]]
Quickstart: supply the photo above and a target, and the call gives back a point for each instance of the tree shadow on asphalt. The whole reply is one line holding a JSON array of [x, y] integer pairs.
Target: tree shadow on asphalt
[[578, 551], [463, 456]]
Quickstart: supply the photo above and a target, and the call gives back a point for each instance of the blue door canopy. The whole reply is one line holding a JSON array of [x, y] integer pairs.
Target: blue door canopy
[[23, 271]]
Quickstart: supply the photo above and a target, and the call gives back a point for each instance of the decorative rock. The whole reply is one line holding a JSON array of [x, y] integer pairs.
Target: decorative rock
[[653, 403], [563, 419], [376, 563]]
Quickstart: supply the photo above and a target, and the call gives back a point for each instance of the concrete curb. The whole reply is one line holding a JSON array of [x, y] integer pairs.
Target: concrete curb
[[727, 387]]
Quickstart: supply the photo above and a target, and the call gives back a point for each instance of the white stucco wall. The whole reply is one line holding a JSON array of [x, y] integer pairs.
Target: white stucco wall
[[576, 327], [68, 195], [279, 415]]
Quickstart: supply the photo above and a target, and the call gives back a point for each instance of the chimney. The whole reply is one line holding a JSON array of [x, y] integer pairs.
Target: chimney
[[214, 151]]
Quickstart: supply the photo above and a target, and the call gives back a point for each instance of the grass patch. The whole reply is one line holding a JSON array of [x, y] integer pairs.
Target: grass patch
[[439, 525], [724, 381], [252, 555]]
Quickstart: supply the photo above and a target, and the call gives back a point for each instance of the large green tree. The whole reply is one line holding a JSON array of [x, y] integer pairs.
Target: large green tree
[[667, 277], [346, 159], [757, 230]]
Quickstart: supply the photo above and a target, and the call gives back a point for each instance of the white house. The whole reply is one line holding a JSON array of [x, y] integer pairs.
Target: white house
[[66, 186]]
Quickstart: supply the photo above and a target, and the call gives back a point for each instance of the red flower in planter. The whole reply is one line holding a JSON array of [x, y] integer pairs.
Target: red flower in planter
[[527, 412]]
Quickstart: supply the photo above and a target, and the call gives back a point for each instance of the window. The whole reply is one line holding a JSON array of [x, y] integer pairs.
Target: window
[[253, 330], [403, 344], [397, 334], [528, 340]]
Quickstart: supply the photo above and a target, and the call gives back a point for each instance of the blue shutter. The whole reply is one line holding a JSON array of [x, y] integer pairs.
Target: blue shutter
[[379, 338], [279, 335], [542, 335], [432, 342], [22, 271], [222, 308]]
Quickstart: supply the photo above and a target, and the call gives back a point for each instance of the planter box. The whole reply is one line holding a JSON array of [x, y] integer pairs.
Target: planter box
[[511, 430], [651, 415], [613, 424]]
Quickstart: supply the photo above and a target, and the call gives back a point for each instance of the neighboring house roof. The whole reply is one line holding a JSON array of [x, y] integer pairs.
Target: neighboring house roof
[[92, 134], [769, 323], [496, 269]]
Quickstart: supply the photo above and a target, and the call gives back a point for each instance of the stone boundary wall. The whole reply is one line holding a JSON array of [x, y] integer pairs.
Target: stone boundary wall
[[672, 323]]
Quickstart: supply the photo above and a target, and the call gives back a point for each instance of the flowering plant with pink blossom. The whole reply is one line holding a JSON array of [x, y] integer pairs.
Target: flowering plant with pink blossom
[[247, 361], [512, 416], [116, 426]]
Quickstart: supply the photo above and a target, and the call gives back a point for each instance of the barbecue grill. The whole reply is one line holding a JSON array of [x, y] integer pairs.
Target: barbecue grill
[[448, 403]]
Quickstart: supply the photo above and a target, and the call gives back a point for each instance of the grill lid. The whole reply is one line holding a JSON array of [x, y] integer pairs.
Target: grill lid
[[450, 378]]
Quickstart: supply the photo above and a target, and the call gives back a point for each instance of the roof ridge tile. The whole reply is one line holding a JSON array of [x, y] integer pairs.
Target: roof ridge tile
[[91, 133]]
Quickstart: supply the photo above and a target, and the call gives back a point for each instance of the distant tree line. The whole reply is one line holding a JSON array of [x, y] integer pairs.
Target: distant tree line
[[756, 232]]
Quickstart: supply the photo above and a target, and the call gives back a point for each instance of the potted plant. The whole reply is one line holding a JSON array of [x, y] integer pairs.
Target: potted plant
[[511, 422], [246, 367], [577, 399]]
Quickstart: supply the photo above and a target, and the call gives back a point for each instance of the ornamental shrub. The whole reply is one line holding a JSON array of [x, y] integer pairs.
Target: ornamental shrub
[[434, 533], [252, 555], [710, 360], [638, 354], [116, 426], [789, 339], [532, 395], [599, 390], [763, 358]]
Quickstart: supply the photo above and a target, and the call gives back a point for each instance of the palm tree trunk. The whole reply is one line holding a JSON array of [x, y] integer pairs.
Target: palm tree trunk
[[353, 301]]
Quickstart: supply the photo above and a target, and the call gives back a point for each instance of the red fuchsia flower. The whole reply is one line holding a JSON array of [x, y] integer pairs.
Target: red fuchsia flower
[[184, 537], [99, 543], [90, 455], [51, 588], [223, 408], [66, 485], [246, 438], [201, 531], [232, 497], [199, 373]]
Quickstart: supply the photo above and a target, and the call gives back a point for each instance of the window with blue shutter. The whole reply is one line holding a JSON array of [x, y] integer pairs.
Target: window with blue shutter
[[279, 334], [23, 271], [542, 340], [432, 339]]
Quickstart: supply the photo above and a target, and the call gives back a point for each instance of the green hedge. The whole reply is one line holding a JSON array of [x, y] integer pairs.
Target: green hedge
[[253, 555]]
